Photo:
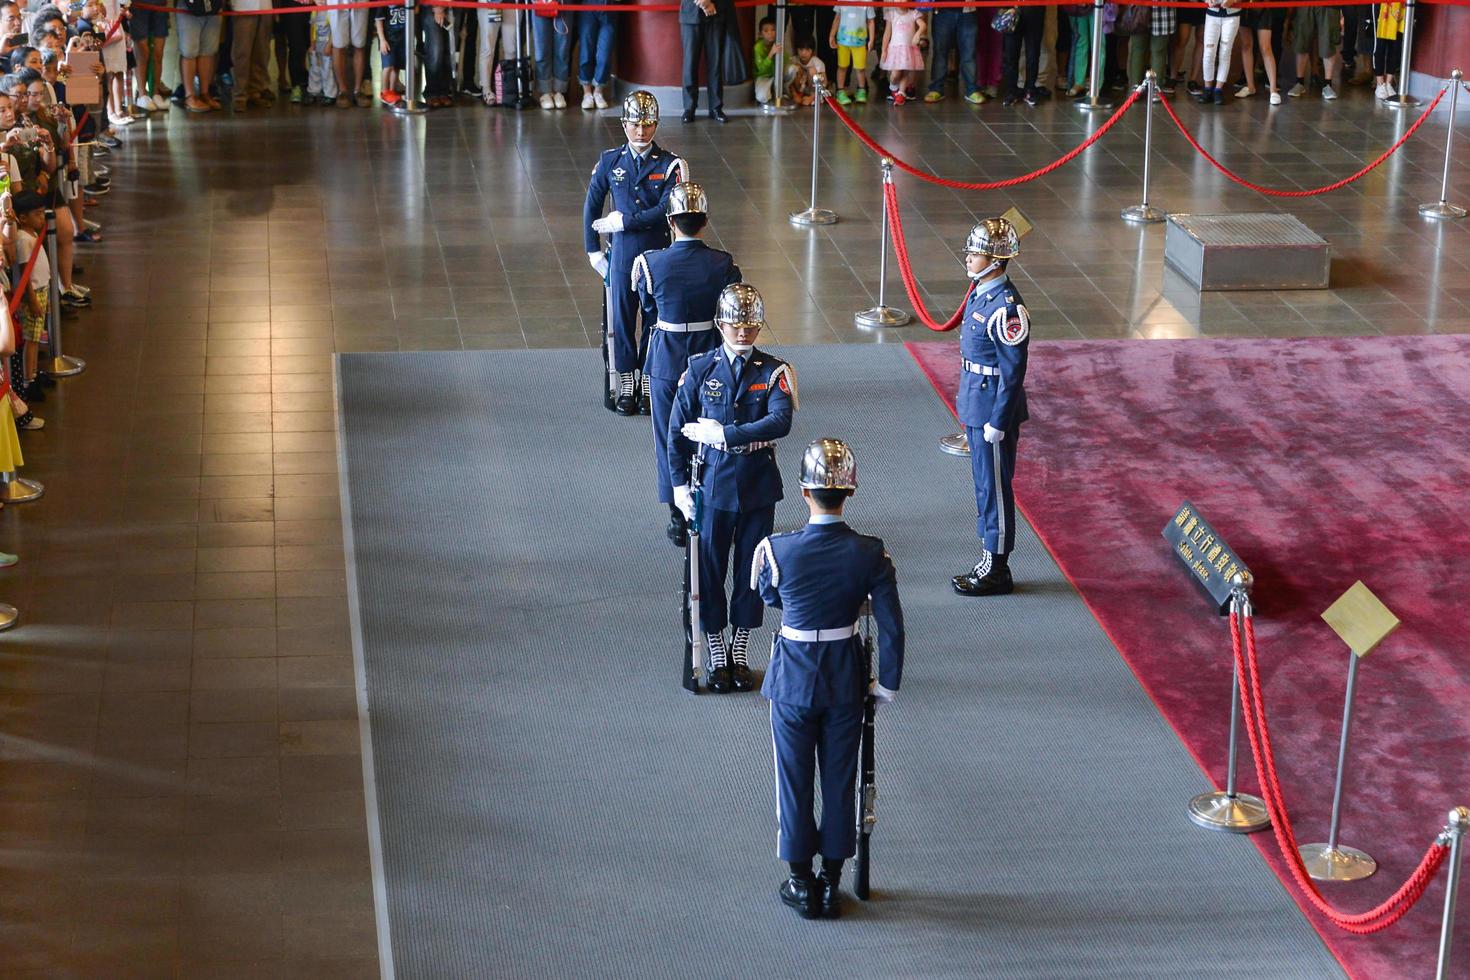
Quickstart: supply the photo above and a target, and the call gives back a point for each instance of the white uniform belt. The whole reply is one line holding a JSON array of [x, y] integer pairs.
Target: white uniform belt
[[819, 636], [686, 327], [974, 368], [749, 447]]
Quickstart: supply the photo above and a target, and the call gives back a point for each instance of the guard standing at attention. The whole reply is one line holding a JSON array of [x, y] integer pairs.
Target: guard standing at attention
[[680, 287], [639, 176], [734, 402], [994, 335], [819, 577]]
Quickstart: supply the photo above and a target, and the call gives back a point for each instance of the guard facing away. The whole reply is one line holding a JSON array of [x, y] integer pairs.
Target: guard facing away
[[736, 401], [819, 677], [994, 337], [638, 176], [680, 287]]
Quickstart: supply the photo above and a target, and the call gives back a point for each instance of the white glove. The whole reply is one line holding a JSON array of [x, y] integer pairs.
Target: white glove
[[610, 224], [599, 263], [684, 500], [707, 431], [880, 693], [992, 434]]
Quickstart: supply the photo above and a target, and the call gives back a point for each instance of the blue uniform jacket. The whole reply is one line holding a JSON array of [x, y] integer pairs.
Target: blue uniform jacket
[[819, 578], [639, 189], [756, 407], [995, 332], [681, 284]]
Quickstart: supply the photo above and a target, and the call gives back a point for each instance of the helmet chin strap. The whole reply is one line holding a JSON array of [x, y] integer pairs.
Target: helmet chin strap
[[640, 146], [741, 349], [993, 266]]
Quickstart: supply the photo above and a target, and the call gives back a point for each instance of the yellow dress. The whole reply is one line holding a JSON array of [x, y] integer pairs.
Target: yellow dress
[[10, 457]]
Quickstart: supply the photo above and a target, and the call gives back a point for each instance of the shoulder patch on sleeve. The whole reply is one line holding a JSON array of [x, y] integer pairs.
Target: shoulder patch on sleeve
[[1016, 328], [784, 377]]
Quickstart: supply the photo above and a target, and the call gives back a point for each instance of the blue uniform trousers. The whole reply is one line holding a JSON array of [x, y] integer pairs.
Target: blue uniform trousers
[[993, 467], [829, 736], [661, 404], [722, 530], [628, 349]]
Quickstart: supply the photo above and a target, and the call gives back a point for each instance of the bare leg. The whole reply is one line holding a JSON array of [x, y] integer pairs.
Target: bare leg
[[1268, 57], [1248, 61], [339, 68]]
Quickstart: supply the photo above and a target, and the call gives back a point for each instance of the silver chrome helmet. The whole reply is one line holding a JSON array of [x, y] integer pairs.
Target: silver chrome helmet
[[640, 107], [995, 237], [687, 199], [741, 305], [828, 464]]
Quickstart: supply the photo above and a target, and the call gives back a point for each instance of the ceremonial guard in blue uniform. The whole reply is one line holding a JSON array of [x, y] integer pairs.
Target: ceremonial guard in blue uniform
[[820, 577], [680, 287], [994, 336], [732, 403], [639, 177]]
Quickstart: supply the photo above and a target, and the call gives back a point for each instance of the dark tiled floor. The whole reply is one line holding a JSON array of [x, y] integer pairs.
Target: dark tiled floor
[[180, 784]]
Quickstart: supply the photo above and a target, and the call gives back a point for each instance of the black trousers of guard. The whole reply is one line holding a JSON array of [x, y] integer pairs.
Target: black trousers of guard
[[707, 39]]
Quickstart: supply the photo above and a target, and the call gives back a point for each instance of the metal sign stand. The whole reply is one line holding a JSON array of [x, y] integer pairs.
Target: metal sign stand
[[814, 215], [1332, 861], [882, 315], [1231, 811]]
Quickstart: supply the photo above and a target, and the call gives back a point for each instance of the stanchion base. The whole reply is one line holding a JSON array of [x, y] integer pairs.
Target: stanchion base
[[1144, 214], [65, 366], [772, 109], [9, 616], [1441, 210], [881, 316], [956, 444], [1401, 101], [406, 108], [814, 216], [1101, 105], [1238, 814], [19, 490], [1324, 863]]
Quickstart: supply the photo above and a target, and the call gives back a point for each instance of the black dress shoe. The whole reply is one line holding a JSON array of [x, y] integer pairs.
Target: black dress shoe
[[678, 531], [718, 680], [627, 405], [741, 679], [688, 116], [718, 115], [645, 405], [997, 581], [829, 898], [801, 895]]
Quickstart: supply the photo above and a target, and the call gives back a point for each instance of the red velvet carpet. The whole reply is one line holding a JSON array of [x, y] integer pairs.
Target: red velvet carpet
[[1320, 462]]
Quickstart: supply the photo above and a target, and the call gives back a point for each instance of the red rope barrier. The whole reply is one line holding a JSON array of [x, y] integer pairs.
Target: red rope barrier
[[960, 185], [906, 271], [18, 293], [1424, 116], [1376, 919], [625, 8]]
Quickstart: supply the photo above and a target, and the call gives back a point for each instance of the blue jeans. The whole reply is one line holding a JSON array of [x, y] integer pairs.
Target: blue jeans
[[596, 34], [553, 52], [953, 26]]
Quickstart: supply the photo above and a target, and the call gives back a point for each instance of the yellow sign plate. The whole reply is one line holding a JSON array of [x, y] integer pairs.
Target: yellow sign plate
[[1018, 221], [1360, 619]]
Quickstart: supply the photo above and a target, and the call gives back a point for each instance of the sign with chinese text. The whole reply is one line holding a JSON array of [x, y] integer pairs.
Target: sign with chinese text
[[1209, 560]]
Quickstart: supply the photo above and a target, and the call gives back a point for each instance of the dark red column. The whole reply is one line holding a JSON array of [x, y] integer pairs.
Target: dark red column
[[650, 54], [1441, 40]]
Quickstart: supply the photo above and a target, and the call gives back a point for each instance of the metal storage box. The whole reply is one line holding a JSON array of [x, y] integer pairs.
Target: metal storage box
[[1246, 251]]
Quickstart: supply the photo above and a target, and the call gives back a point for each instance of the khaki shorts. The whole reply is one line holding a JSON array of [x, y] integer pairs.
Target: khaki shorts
[[1324, 24]]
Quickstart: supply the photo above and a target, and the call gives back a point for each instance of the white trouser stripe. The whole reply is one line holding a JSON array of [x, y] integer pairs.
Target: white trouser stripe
[[776, 769], [1000, 499]]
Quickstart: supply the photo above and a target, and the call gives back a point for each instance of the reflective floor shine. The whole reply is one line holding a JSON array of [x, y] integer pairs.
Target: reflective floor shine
[[180, 780]]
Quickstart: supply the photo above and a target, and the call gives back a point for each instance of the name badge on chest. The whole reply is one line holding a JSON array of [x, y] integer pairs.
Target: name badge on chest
[[714, 390], [618, 174]]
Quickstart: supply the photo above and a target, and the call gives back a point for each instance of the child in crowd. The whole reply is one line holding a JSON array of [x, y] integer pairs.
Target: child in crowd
[[903, 32], [30, 214], [1222, 22], [766, 53], [321, 81], [852, 36], [803, 73], [390, 23], [1389, 33]]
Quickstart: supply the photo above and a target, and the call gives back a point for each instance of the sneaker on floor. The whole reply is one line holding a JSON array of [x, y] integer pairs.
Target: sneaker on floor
[[90, 225], [933, 97], [1219, 96], [977, 98], [1388, 91], [898, 98], [77, 287], [344, 101], [1275, 98], [119, 120], [1244, 93], [862, 96], [547, 102], [843, 98], [1030, 98], [1297, 90], [7, 559], [1328, 92], [161, 101], [35, 424], [297, 95], [559, 100], [1193, 88], [389, 97], [599, 101], [587, 102]]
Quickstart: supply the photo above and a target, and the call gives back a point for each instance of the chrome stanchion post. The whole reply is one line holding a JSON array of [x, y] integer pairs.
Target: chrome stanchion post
[[1144, 213], [408, 105], [1330, 861], [1403, 99], [58, 365], [1094, 100], [1459, 822], [814, 215], [882, 315], [955, 444], [1230, 811], [1444, 209], [777, 106], [16, 489], [9, 616]]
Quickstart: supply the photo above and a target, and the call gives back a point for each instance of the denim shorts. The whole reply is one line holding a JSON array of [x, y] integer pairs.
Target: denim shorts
[[148, 24]]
